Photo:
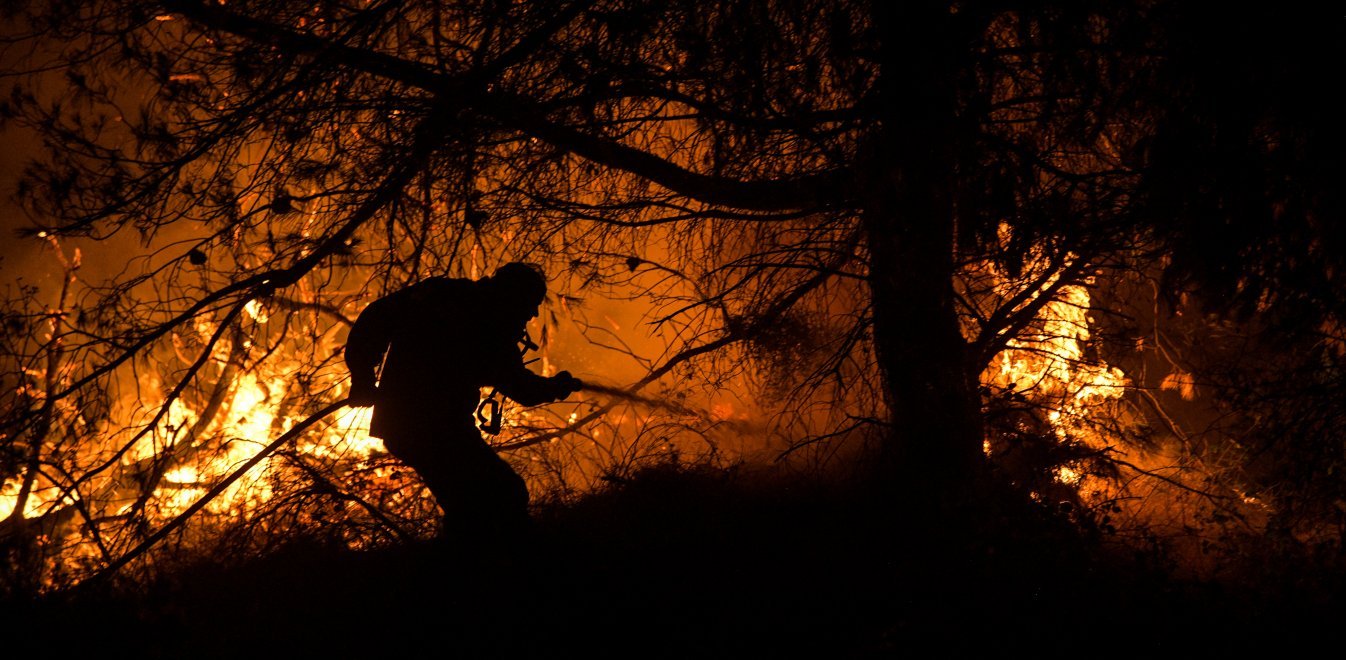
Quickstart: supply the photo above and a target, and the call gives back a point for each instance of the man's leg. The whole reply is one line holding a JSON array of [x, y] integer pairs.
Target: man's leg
[[478, 491], [490, 500]]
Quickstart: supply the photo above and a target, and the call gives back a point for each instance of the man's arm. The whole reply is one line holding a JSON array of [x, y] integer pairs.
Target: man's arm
[[515, 381], [367, 342]]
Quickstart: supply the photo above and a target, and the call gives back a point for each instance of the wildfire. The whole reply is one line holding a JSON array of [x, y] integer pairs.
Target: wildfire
[[40, 500], [1051, 363], [1048, 365], [200, 437]]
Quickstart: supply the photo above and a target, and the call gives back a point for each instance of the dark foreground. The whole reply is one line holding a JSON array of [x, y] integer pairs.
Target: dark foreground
[[706, 564]]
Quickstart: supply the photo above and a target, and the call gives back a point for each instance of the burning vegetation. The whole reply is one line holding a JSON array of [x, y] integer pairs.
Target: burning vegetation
[[940, 244]]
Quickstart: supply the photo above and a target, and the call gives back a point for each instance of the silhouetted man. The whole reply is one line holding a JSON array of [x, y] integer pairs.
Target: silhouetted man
[[444, 339]]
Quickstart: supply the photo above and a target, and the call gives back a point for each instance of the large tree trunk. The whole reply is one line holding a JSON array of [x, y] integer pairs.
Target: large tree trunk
[[909, 222]]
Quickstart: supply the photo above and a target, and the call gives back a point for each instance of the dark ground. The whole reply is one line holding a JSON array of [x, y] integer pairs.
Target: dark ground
[[706, 563]]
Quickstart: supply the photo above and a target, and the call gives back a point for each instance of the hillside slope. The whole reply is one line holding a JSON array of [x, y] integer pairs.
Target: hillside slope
[[678, 563]]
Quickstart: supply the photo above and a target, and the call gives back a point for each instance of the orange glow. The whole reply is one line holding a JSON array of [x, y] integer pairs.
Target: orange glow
[[1048, 366]]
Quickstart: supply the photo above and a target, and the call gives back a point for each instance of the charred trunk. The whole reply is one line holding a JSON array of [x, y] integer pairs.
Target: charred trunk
[[909, 224]]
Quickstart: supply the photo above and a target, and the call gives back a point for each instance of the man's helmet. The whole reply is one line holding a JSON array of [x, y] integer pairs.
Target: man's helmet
[[520, 281]]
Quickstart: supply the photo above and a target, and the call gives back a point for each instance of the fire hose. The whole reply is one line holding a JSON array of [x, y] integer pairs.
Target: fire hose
[[627, 395]]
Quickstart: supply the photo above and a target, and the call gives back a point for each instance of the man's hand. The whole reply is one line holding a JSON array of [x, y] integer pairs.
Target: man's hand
[[566, 384], [362, 395]]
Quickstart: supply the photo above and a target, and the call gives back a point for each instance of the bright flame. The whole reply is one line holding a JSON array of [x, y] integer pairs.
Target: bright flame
[[1068, 475], [40, 499], [254, 309], [1047, 363], [183, 475], [1051, 363]]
